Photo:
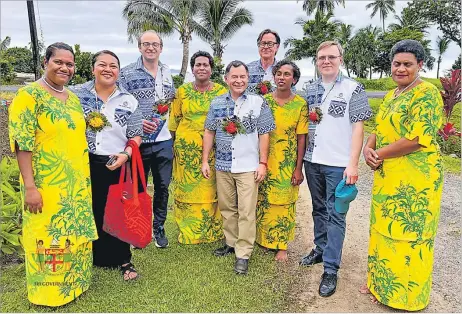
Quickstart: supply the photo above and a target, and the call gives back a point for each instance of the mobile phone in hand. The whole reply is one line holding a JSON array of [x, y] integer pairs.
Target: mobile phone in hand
[[111, 161]]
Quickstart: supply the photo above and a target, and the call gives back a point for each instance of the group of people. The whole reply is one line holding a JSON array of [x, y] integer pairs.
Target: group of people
[[236, 159]]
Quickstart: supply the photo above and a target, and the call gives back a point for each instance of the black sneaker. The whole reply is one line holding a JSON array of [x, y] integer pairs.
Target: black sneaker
[[328, 285], [160, 239], [311, 259]]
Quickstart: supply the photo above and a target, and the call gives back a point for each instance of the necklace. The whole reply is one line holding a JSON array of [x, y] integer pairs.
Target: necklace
[[49, 85], [404, 89], [197, 89]]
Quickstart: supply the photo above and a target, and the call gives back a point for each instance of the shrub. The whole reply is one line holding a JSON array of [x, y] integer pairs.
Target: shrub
[[450, 146], [177, 80], [386, 84], [11, 207]]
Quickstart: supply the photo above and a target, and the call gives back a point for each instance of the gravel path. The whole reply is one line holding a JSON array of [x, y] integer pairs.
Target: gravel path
[[303, 295]]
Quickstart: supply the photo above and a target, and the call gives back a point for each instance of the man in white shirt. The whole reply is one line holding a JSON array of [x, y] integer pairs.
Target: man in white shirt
[[338, 107], [240, 123], [149, 80]]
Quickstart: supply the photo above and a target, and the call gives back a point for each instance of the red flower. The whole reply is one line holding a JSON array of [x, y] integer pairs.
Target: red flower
[[264, 89], [162, 109], [449, 128], [313, 116], [231, 128]]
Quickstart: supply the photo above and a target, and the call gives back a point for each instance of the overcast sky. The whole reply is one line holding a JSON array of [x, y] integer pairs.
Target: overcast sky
[[97, 25]]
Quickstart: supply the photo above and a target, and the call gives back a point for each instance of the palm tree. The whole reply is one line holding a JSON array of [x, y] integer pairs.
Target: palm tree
[[442, 45], [384, 6], [220, 20], [165, 17], [315, 31], [5, 43], [324, 6], [344, 37], [409, 20]]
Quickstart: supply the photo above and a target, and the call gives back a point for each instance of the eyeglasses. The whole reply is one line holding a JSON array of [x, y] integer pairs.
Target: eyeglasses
[[148, 44], [330, 58], [269, 44]]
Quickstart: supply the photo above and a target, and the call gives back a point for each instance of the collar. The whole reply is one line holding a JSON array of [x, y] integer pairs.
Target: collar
[[339, 78], [140, 65], [90, 87], [228, 95], [261, 66]]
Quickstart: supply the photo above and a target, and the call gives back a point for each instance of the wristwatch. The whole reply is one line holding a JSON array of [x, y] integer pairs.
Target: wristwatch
[[264, 164]]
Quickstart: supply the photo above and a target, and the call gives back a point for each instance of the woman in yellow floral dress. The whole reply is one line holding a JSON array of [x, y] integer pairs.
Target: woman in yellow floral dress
[[408, 183], [195, 198], [47, 132], [279, 191]]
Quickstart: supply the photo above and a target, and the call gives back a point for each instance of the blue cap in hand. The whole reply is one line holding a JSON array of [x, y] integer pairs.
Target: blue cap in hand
[[344, 194]]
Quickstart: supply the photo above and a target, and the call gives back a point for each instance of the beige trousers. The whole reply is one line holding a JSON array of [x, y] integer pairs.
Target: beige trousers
[[237, 200]]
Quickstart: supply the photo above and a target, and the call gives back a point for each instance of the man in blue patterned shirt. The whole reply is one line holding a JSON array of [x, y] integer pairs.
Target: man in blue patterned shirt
[[338, 108], [150, 80], [261, 70], [240, 123]]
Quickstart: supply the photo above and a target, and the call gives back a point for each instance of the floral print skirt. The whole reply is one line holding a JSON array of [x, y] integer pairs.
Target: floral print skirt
[[399, 272], [275, 225], [198, 223]]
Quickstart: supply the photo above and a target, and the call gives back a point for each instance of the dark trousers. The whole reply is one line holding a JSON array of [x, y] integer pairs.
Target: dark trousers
[[329, 225], [108, 251], [158, 158]]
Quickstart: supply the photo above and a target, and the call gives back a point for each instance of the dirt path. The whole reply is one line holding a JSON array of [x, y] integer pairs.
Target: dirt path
[[303, 295]]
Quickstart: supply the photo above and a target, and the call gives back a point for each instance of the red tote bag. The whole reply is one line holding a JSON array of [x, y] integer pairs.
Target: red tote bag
[[128, 213]]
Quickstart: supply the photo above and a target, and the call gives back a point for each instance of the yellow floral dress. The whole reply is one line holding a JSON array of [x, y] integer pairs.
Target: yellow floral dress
[[276, 194], [195, 198], [406, 200], [57, 241]]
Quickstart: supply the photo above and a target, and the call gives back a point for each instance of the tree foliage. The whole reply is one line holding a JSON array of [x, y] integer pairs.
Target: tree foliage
[[388, 39], [444, 13], [323, 6], [442, 45], [383, 7], [220, 20], [218, 72], [315, 31], [409, 20], [83, 66], [362, 51], [21, 59], [165, 17]]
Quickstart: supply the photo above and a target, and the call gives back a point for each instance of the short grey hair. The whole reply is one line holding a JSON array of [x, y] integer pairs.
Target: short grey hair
[[409, 46], [329, 43], [236, 64], [150, 31]]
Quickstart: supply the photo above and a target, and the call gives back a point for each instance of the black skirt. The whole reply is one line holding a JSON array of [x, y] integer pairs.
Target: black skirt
[[108, 251]]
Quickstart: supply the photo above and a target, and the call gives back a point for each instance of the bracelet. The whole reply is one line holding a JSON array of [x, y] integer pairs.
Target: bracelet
[[264, 164], [126, 154]]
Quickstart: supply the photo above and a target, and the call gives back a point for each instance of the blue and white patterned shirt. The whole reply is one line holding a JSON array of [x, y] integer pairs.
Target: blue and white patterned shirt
[[121, 110], [257, 74], [239, 153], [147, 90], [343, 103]]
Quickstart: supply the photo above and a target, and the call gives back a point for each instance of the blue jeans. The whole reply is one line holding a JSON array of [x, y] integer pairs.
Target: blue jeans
[[158, 157], [329, 226]]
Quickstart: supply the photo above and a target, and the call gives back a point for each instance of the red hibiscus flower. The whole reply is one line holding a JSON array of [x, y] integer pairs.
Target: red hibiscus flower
[[162, 109], [231, 128], [313, 116], [264, 89]]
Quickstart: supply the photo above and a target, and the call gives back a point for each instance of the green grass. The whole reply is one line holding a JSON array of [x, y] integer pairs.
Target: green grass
[[180, 278], [451, 165]]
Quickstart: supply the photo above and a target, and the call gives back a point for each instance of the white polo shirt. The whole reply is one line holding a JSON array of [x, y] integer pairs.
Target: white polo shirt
[[122, 112], [329, 141]]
